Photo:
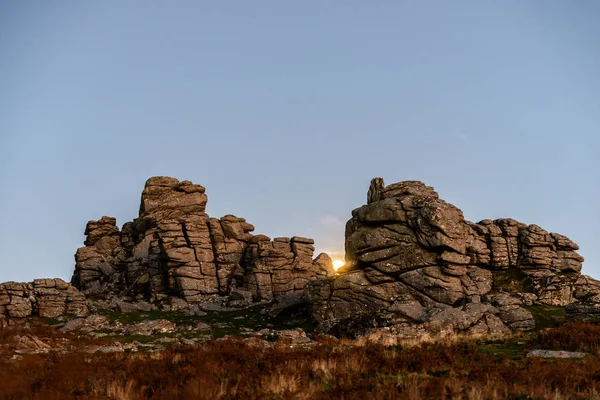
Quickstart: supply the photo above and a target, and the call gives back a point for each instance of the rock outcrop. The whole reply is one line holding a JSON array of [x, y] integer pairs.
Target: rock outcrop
[[174, 251], [42, 297], [414, 266]]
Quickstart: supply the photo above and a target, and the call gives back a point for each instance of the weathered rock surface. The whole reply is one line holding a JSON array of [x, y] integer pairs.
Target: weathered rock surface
[[147, 328], [92, 322], [555, 354], [414, 266], [42, 297], [175, 252], [29, 344]]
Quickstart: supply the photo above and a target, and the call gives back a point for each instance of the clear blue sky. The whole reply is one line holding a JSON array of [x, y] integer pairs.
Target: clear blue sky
[[285, 110]]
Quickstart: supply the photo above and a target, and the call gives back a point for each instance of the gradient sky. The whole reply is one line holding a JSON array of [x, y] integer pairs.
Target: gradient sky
[[285, 110]]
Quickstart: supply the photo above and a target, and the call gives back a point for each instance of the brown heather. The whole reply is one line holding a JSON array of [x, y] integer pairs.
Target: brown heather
[[233, 369], [574, 336]]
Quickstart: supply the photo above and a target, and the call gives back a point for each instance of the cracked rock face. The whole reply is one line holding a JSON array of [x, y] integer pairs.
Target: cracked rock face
[[43, 297], [175, 250], [415, 264]]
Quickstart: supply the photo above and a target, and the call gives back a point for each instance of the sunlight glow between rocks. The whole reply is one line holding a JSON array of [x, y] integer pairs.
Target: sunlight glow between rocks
[[337, 264]]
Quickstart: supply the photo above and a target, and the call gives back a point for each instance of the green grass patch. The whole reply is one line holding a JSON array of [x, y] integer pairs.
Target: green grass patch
[[47, 321], [506, 349], [547, 316], [512, 280], [222, 323], [131, 318]]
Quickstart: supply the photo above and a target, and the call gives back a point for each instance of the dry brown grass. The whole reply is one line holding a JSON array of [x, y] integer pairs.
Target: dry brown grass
[[575, 336], [118, 390], [233, 370]]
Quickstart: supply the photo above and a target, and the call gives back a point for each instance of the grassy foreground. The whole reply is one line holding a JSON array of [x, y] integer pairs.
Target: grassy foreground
[[235, 369]]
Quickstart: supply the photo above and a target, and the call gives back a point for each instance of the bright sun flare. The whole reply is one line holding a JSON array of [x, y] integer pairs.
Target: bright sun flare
[[337, 264]]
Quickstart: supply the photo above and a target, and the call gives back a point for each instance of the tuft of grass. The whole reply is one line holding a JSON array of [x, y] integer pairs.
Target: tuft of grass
[[118, 390]]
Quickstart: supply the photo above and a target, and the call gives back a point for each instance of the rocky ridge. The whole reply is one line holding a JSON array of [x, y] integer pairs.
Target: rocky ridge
[[415, 266], [172, 257], [174, 254]]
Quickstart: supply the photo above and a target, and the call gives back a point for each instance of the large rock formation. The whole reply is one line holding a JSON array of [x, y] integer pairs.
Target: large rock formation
[[414, 266], [175, 251], [42, 297]]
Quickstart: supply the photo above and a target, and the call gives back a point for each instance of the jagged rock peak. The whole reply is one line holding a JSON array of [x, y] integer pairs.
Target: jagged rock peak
[[95, 230], [378, 191], [175, 250], [163, 192]]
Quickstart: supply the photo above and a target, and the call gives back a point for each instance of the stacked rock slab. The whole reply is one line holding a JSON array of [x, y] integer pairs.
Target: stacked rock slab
[[174, 249], [43, 297], [282, 266], [414, 266]]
